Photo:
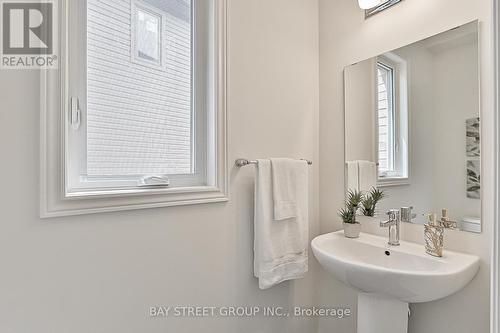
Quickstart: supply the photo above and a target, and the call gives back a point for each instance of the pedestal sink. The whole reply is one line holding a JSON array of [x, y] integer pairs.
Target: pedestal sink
[[387, 278]]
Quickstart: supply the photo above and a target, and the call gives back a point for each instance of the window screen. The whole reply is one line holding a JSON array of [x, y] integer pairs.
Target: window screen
[[139, 118]]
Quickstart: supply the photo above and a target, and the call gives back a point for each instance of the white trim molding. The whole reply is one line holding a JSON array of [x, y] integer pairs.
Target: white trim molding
[[53, 146], [495, 255]]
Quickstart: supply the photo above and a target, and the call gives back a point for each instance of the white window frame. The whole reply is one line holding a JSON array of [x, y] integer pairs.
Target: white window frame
[[135, 6], [400, 120], [56, 200], [391, 114], [77, 183]]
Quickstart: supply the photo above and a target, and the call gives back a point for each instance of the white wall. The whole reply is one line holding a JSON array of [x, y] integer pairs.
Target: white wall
[[346, 37], [100, 273]]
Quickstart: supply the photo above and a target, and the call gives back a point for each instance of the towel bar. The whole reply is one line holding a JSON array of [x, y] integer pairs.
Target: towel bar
[[241, 162]]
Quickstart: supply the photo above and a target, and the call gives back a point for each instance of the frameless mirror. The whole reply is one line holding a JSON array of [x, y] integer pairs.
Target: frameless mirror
[[412, 128]]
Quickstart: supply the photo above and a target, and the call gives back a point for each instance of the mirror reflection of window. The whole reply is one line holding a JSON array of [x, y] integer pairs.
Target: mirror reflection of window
[[392, 118], [385, 116]]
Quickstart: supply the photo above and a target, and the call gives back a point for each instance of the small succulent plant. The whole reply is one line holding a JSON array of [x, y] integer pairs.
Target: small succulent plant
[[348, 213], [354, 199], [370, 201], [368, 208]]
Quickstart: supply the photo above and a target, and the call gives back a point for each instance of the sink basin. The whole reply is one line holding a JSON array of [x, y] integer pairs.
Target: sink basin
[[387, 278], [404, 272]]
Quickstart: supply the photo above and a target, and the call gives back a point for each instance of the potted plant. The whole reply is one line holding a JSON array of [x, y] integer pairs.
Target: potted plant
[[348, 214], [370, 201]]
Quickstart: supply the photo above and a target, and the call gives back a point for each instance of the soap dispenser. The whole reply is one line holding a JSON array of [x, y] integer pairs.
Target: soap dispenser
[[434, 236]]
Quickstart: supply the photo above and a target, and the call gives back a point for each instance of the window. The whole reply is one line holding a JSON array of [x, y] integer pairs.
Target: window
[[147, 33], [386, 117], [144, 84], [392, 120]]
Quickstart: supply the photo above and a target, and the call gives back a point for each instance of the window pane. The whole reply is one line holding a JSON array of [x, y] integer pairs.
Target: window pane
[[147, 36], [139, 117], [385, 119]]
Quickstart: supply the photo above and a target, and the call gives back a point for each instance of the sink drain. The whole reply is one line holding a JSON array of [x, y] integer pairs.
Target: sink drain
[[387, 253]]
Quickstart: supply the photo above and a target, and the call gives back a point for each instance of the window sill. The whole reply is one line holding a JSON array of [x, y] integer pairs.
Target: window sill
[[110, 201], [394, 181], [135, 191]]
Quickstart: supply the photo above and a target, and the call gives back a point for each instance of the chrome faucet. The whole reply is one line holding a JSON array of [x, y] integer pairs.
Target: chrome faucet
[[393, 223]]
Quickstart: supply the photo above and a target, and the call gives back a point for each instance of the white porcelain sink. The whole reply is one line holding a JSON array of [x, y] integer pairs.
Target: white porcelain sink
[[392, 276]]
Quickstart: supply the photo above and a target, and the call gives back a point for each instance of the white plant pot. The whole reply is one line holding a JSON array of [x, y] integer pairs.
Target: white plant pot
[[352, 230]]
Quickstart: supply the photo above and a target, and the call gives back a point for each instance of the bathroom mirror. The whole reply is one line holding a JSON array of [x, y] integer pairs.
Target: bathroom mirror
[[412, 128]]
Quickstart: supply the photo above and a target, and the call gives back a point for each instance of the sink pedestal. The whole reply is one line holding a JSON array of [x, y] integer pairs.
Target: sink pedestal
[[377, 314]]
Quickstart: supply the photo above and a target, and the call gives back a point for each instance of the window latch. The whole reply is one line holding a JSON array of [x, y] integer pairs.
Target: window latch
[[154, 181], [75, 114]]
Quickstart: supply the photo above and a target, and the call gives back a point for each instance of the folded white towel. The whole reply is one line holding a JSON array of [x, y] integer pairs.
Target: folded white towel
[[280, 247], [367, 175], [352, 175], [289, 181]]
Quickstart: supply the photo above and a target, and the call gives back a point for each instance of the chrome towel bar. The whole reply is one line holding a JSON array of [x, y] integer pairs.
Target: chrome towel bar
[[241, 162]]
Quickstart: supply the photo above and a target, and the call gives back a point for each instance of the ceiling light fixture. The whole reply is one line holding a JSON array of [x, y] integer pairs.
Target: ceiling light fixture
[[367, 4]]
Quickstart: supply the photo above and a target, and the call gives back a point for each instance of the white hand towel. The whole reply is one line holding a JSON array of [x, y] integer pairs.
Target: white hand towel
[[280, 247], [289, 182], [367, 175], [352, 175]]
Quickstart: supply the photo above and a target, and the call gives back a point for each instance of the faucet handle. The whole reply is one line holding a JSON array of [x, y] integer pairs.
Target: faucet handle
[[393, 214], [407, 215]]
